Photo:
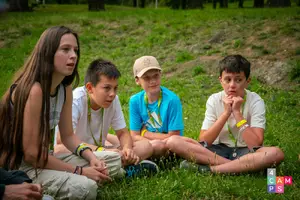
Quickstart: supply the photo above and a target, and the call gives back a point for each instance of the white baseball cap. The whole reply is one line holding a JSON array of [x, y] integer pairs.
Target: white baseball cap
[[144, 64]]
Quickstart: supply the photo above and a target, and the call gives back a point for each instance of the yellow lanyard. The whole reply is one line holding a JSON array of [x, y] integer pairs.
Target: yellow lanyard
[[151, 118], [89, 121], [231, 136]]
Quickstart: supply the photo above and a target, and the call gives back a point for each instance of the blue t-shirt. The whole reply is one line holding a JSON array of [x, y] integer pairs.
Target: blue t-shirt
[[170, 111]]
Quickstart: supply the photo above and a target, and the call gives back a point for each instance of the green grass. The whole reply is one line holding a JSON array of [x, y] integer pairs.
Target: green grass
[[198, 70], [178, 38], [295, 71]]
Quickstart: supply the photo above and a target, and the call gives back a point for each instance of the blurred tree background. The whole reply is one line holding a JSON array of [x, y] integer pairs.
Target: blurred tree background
[[96, 5]]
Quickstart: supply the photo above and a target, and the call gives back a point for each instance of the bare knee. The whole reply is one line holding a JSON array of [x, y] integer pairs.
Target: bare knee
[[278, 154], [173, 142], [274, 155], [159, 148], [146, 145], [143, 149]]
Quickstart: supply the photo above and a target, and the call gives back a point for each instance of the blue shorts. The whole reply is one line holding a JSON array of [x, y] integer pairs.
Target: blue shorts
[[230, 153]]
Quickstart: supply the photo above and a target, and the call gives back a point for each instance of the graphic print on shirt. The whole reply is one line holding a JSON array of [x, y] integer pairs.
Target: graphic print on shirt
[[154, 122]]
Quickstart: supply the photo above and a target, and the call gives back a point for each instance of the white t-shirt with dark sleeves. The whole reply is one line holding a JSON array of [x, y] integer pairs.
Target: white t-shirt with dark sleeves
[[113, 117], [254, 112]]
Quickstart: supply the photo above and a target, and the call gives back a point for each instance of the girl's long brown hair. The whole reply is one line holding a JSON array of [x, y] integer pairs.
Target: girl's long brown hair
[[39, 68]]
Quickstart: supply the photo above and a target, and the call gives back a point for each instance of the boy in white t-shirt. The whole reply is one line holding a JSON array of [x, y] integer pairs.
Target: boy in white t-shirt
[[232, 133], [96, 108]]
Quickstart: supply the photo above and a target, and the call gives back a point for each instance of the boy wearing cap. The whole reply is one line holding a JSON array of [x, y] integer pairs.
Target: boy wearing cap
[[232, 133], [155, 112]]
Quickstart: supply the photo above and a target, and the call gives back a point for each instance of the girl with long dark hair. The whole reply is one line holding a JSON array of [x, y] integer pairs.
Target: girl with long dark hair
[[39, 99]]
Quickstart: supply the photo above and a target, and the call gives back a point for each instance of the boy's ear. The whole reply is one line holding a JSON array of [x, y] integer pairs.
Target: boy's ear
[[220, 79], [89, 86], [248, 80], [137, 80]]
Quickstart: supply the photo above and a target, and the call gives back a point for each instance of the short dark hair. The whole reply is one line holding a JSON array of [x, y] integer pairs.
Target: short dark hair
[[101, 67], [235, 64]]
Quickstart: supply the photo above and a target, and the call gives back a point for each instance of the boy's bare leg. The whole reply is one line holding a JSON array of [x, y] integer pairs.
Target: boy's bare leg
[[159, 148], [142, 148], [193, 151], [262, 158]]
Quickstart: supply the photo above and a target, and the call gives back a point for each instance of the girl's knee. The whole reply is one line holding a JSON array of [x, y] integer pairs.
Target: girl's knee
[[76, 187], [91, 187]]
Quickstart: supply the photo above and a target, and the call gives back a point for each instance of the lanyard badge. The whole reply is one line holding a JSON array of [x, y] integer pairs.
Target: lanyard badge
[[154, 118], [89, 116]]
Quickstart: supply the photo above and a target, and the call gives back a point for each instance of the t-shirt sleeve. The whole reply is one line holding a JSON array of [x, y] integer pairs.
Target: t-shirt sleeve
[[118, 121], [175, 115], [77, 108], [258, 112], [210, 114], [135, 119]]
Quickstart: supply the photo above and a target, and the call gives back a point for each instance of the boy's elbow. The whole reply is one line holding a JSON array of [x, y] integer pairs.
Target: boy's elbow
[[122, 134], [202, 138], [255, 141], [260, 141]]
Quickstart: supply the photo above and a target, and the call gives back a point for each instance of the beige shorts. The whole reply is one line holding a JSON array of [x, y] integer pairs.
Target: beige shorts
[[65, 185]]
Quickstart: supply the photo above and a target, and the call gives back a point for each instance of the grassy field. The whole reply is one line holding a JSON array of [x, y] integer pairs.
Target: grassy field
[[180, 41]]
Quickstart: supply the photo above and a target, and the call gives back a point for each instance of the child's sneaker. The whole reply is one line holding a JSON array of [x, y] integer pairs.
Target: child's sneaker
[[144, 168], [194, 167], [47, 197]]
